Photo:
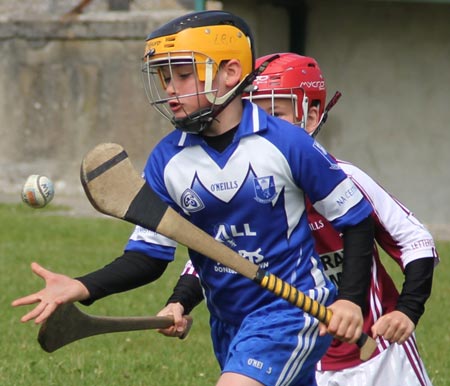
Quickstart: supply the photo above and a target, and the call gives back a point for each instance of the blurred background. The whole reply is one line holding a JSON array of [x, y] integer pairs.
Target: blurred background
[[70, 79]]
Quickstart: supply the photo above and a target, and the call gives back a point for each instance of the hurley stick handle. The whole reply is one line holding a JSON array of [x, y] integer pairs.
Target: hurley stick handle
[[293, 295]]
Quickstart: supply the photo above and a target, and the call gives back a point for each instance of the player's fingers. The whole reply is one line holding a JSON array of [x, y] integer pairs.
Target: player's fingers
[[35, 312], [178, 321], [40, 270], [26, 300], [408, 332], [356, 334], [170, 331], [397, 333], [403, 338], [334, 324], [401, 334], [339, 331], [398, 337], [177, 330], [187, 327], [322, 329], [175, 311], [181, 327], [349, 330], [46, 312], [379, 328], [375, 333], [389, 333], [347, 333]]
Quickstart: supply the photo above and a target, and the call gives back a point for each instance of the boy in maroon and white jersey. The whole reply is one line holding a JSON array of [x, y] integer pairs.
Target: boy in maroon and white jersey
[[290, 86]]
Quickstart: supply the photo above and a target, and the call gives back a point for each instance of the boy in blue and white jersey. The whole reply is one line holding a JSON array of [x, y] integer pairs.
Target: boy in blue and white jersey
[[240, 175]]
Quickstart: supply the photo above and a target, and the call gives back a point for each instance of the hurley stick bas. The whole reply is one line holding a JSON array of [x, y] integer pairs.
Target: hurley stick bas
[[68, 324], [115, 188]]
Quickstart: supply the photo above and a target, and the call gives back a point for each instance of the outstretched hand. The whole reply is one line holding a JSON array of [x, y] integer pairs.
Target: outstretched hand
[[59, 289]]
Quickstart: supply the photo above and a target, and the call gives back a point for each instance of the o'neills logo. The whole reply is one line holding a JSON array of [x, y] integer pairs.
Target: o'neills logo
[[221, 186]]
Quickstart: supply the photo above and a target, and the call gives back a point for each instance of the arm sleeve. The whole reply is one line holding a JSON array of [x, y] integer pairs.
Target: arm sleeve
[[357, 262], [416, 288], [131, 270], [188, 292]]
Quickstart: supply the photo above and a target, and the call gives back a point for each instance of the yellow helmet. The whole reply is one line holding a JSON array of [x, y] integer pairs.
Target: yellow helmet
[[204, 39]]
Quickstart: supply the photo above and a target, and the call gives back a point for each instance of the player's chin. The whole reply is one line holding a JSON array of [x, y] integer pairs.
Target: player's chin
[[182, 112]]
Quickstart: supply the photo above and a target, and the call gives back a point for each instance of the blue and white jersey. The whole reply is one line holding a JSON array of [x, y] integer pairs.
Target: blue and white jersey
[[251, 198]]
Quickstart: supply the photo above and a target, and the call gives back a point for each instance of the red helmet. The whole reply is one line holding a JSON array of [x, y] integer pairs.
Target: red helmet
[[291, 76]]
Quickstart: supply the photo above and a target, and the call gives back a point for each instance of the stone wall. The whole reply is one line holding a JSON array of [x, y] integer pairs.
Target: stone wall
[[34, 8], [67, 86]]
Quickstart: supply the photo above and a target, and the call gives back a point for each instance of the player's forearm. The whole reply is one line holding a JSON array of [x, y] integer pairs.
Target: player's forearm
[[131, 270], [357, 262], [188, 292], [416, 288]]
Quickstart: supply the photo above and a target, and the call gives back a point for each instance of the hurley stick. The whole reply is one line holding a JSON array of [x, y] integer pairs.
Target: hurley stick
[[68, 324], [114, 187]]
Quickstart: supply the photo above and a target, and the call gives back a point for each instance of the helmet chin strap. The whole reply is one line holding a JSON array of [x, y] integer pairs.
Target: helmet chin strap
[[196, 122]]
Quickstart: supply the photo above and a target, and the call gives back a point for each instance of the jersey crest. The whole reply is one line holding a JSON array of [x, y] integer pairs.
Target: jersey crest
[[191, 202], [265, 190]]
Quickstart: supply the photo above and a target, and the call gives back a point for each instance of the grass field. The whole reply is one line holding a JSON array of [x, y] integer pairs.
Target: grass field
[[78, 245]]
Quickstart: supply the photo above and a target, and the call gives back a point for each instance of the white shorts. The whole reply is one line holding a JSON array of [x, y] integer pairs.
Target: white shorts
[[391, 367]]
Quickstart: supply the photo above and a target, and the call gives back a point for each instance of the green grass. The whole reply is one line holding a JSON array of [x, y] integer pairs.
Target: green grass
[[75, 246]]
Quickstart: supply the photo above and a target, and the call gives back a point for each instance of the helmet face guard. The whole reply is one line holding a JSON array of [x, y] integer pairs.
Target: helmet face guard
[[297, 97], [156, 78], [203, 41]]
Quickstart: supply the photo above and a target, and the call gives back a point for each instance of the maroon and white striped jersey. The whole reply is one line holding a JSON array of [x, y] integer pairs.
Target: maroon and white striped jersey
[[401, 235]]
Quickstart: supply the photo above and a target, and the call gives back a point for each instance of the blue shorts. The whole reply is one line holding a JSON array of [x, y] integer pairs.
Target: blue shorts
[[278, 345]]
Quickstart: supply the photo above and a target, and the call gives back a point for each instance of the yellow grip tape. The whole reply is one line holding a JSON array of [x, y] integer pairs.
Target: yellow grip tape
[[295, 297]]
